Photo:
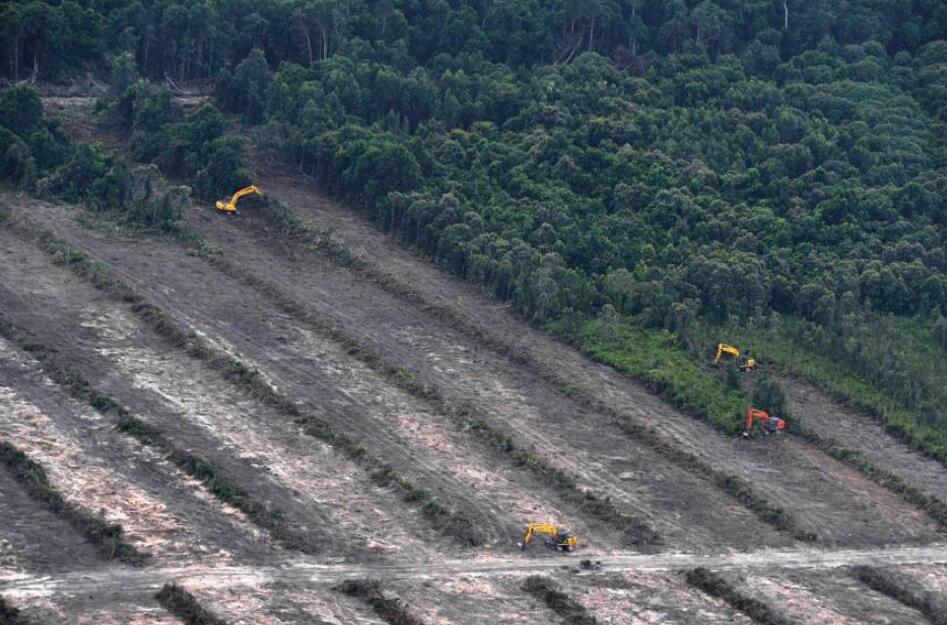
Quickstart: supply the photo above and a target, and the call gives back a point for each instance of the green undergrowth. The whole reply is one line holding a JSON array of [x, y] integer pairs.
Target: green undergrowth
[[853, 390], [654, 357], [390, 609], [933, 610], [220, 486], [282, 218], [717, 586], [183, 605], [571, 611], [108, 537], [448, 521]]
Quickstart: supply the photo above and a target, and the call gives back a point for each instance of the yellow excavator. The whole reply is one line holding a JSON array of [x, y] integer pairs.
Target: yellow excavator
[[744, 361], [559, 540], [231, 206]]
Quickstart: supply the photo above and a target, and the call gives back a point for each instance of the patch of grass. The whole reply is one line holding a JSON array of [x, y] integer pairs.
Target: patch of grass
[[571, 611], [108, 537], [880, 581], [572, 390], [389, 609], [729, 413], [781, 345], [183, 605], [716, 586], [654, 357]]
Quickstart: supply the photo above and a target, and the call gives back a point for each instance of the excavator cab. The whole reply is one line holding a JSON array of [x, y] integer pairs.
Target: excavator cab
[[769, 424], [230, 207], [745, 362], [559, 540]]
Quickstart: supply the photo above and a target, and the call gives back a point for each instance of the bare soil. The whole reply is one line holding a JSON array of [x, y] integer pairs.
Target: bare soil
[[358, 529], [329, 383], [827, 497], [265, 453], [513, 400], [827, 418], [826, 599]]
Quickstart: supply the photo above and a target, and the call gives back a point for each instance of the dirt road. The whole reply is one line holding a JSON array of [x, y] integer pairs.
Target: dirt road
[[309, 571]]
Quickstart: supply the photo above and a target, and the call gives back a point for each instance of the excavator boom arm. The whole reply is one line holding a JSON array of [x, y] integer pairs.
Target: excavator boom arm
[[541, 528], [557, 539], [246, 191], [231, 206], [723, 348]]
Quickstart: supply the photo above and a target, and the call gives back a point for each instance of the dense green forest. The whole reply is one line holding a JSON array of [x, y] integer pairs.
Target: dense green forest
[[643, 177]]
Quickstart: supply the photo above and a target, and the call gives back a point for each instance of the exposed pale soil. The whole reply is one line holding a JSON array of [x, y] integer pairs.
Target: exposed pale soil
[[360, 530]]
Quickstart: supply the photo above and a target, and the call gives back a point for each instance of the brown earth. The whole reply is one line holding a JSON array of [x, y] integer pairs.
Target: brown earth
[[457, 341], [845, 508], [830, 420]]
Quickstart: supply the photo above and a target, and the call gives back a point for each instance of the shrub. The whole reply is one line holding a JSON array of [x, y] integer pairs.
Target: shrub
[[733, 376], [389, 609], [107, 536], [716, 586], [21, 109], [570, 610], [10, 615], [768, 396], [183, 605], [880, 581]]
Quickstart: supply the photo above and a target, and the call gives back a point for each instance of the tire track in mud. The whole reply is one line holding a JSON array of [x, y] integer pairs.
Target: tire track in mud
[[305, 571], [282, 604], [302, 375], [662, 597], [824, 598], [784, 474]]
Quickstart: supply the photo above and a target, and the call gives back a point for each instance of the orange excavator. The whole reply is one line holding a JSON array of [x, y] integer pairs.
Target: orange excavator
[[230, 207], [768, 423], [559, 540]]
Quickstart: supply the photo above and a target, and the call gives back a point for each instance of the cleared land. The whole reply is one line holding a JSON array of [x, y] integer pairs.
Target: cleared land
[[424, 375]]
